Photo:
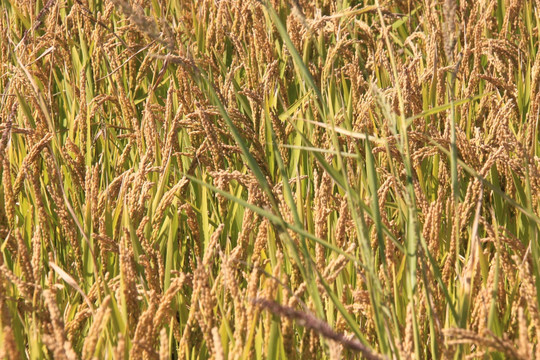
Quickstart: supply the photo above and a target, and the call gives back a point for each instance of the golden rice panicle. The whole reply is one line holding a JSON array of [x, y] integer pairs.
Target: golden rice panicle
[[449, 264], [81, 119], [165, 309], [322, 210], [261, 240], [213, 246], [151, 269], [129, 278], [120, 348], [9, 197], [37, 261], [164, 204], [480, 311], [126, 152], [144, 339], [75, 325], [511, 18], [222, 183], [340, 230], [232, 285], [163, 345], [193, 225], [251, 292], [28, 160], [61, 346], [149, 131], [524, 344], [217, 22], [527, 292], [535, 104], [4, 26], [249, 222], [126, 106], [25, 288], [207, 301], [218, 347], [24, 258], [336, 265], [92, 196], [7, 126], [185, 342], [140, 188], [94, 333], [77, 163], [69, 228], [287, 327], [40, 200], [9, 349], [408, 343], [203, 299]]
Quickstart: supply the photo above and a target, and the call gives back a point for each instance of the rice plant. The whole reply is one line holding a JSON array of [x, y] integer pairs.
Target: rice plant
[[273, 179]]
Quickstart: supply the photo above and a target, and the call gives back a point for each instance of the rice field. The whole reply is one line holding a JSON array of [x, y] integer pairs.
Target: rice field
[[225, 179]]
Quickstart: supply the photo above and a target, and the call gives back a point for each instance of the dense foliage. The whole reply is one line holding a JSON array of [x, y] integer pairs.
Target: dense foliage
[[261, 180]]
